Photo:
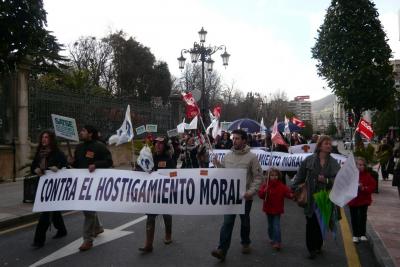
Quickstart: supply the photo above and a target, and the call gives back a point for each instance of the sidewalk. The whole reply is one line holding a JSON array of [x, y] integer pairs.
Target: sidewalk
[[383, 218]]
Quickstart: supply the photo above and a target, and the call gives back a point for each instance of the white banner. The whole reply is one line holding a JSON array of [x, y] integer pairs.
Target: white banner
[[304, 148], [280, 160], [178, 191], [65, 127], [345, 187]]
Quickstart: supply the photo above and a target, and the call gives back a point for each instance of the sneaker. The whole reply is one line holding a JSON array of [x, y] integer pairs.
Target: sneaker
[[219, 254], [86, 245], [363, 238], [246, 249], [356, 239]]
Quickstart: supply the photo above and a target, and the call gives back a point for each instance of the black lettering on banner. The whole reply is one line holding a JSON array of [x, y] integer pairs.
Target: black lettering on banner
[[204, 190], [54, 190], [100, 189], [48, 190], [152, 190], [88, 195], [83, 188], [166, 181], [173, 192], [108, 188], [63, 180], [182, 182], [124, 181], [231, 194], [222, 194], [116, 189], [73, 190], [142, 192], [42, 197], [238, 197], [214, 191], [190, 191], [129, 190], [67, 188], [159, 192], [134, 190]]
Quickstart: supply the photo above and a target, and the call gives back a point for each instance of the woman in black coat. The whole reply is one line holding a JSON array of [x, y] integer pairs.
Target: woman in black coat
[[48, 157]]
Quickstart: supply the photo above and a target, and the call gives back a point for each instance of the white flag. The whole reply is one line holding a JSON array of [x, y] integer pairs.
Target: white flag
[[287, 129], [345, 187], [192, 125], [181, 126], [125, 132], [262, 128]]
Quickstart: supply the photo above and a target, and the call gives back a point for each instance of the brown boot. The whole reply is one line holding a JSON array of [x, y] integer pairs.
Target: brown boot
[[148, 244], [86, 245]]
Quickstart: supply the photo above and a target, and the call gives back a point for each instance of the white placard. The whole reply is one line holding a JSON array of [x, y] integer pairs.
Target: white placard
[[65, 127], [172, 133], [140, 130], [177, 191], [151, 128], [345, 187]]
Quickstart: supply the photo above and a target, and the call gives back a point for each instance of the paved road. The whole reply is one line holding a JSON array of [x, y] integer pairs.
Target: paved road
[[194, 238]]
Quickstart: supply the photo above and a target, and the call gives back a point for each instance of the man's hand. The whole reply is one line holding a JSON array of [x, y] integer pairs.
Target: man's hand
[[92, 168], [38, 171], [247, 196], [53, 168]]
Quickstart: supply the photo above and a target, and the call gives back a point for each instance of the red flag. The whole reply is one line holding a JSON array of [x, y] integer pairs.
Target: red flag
[[192, 110], [298, 122], [217, 112], [365, 129], [276, 137]]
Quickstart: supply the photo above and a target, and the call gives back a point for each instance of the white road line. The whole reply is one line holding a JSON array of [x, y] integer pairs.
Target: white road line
[[72, 248]]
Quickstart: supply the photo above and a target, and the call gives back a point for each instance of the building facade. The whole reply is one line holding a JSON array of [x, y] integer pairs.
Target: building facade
[[301, 107]]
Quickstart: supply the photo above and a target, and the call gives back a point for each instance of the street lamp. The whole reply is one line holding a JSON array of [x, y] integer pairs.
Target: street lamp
[[203, 53]]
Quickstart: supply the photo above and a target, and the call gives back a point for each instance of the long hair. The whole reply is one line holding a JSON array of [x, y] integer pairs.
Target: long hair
[[321, 139], [52, 141]]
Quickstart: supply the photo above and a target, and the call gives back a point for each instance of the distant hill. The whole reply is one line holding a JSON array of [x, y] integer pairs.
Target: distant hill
[[323, 105]]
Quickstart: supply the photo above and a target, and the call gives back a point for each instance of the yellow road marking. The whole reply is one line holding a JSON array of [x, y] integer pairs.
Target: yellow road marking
[[29, 224], [350, 250]]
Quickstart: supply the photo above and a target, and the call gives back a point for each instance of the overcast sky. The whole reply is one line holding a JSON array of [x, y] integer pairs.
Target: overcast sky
[[269, 40]]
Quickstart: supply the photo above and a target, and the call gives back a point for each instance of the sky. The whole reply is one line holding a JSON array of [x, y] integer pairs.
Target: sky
[[269, 40]]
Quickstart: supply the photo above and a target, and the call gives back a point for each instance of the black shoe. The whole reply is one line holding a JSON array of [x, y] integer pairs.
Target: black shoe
[[312, 255], [37, 245], [59, 234], [146, 249], [219, 254]]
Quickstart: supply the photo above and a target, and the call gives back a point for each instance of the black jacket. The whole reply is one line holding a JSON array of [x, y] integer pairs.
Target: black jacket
[[55, 158], [92, 152]]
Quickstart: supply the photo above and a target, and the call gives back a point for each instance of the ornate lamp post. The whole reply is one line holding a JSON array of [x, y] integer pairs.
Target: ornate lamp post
[[203, 53]]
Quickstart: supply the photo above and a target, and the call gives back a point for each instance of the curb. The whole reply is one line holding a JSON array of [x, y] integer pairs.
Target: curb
[[16, 221], [380, 252]]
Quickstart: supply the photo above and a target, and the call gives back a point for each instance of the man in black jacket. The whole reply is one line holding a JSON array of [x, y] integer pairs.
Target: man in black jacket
[[91, 154]]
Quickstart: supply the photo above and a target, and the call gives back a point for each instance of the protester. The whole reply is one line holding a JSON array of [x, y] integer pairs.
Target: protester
[[318, 171], [239, 157], [225, 142], [48, 157], [162, 160], [189, 154], [273, 192], [91, 154], [384, 154], [359, 205], [314, 138], [396, 168]]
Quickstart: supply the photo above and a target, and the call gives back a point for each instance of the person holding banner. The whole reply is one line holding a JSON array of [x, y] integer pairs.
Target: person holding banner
[[91, 154], [162, 160], [48, 157], [359, 205], [318, 172], [239, 157]]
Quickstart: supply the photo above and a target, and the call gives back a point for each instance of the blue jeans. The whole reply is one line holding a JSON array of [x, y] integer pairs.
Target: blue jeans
[[227, 228], [274, 227]]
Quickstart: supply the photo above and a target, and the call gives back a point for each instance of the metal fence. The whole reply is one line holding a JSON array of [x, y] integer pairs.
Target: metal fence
[[105, 113]]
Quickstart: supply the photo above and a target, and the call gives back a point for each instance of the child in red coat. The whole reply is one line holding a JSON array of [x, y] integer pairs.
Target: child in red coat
[[273, 192], [359, 205]]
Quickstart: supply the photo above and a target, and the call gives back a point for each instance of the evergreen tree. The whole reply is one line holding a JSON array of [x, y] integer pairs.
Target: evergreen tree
[[353, 56]]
